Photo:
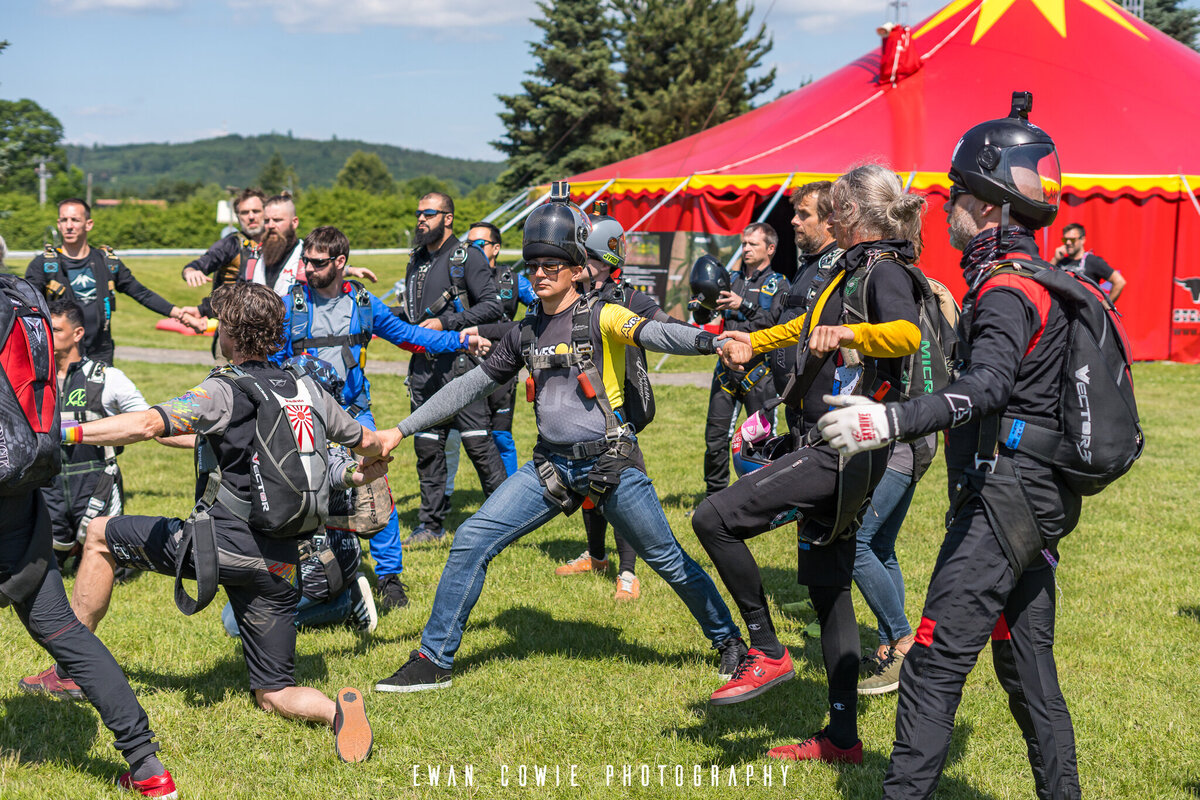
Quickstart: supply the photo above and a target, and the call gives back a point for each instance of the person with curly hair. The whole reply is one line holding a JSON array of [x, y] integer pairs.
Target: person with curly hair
[[258, 571]]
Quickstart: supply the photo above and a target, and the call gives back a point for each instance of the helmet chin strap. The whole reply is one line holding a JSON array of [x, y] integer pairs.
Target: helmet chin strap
[[1003, 226]]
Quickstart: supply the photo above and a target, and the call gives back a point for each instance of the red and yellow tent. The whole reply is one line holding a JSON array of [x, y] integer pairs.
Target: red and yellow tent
[[1121, 99]]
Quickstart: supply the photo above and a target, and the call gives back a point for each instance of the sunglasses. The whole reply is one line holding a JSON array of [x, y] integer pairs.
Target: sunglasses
[[957, 190], [428, 213], [481, 242], [318, 263], [550, 268], [1067, 240]]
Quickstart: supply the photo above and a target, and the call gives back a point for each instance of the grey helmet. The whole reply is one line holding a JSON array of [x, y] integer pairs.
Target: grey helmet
[[557, 229], [606, 242]]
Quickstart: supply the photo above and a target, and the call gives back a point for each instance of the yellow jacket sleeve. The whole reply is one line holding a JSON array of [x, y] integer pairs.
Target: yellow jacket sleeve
[[619, 323], [778, 336], [886, 339]]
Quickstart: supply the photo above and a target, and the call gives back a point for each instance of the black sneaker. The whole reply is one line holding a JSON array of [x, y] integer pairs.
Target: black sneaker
[[391, 592], [732, 651], [417, 675]]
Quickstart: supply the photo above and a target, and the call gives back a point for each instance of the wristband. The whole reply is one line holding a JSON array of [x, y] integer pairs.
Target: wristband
[[72, 432]]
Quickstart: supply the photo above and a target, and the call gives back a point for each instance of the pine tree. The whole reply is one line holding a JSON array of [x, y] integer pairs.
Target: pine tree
[[1175, 20], [565, 119], [687, 67], [277, 175], [366, 171]]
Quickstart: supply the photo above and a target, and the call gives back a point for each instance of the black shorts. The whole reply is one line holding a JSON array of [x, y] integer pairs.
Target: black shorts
[[830, 565], [263, 591]]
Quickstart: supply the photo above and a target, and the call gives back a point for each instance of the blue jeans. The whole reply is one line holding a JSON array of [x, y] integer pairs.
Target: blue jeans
[[385, 545], [876, 570], [518, 507]]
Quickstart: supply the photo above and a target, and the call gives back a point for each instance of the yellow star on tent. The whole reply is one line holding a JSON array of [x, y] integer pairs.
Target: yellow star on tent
[[990, 12]]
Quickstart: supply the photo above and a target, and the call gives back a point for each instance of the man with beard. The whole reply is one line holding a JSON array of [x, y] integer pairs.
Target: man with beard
[[812, 223], [91, 276], [233, 256], [448, 287], [279, 266], [333, 319], [1009, 505]]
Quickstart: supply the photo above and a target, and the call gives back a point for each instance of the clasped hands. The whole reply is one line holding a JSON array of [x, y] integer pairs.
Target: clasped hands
[[736, 350]]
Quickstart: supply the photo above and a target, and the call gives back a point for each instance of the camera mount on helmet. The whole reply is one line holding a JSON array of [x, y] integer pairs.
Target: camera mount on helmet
[[707, 280], [1011, 163], [557, 229]]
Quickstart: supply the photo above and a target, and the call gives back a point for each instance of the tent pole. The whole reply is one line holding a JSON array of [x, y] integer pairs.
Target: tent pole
[[584, 205], [528, 210], [660, 204], [761, 218], [521, 195], [908, 183], [1191, 194]]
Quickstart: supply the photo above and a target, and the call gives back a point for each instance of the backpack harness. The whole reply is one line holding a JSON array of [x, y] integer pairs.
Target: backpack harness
[[289, 481], [301, 326], [105, 281], [29, 434], [82, 399], [614, 452], [456, 295]]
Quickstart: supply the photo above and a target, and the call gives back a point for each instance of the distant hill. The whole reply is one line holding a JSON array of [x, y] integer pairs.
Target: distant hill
[[237, 160]]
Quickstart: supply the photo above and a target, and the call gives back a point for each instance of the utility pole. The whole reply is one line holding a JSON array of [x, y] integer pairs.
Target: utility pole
[[43, 174]]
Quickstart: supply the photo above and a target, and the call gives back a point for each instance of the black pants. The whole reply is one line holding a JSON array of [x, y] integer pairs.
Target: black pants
[[723, 409], [801, 484], [48, 617], [500, 406], [973, 595], [473, 423]]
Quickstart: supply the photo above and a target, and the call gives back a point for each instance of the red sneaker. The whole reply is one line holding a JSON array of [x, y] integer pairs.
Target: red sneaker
[[352, 737], [48, 682], [819, 748], [754, 675], [157, 786]]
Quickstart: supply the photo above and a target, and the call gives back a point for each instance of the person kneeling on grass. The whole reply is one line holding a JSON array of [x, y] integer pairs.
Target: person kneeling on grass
[[217, 544], [584, 448]]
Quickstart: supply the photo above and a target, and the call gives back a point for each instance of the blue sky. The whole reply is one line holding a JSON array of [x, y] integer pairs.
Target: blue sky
[[422, 74]]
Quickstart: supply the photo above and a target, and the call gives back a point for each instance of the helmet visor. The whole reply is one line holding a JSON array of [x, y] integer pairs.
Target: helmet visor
[[1033, 170]]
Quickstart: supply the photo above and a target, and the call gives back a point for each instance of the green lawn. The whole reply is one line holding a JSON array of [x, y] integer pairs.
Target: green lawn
[[553, 672]]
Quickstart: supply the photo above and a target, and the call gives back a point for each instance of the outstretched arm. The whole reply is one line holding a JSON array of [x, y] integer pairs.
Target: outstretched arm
[[136, 426], [449, 400]]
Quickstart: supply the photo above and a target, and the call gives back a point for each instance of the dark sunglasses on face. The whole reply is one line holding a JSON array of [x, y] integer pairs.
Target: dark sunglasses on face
[[957, 191], [482, 242], [1070, 240], [550, 269], [318, 263], [428, 213]]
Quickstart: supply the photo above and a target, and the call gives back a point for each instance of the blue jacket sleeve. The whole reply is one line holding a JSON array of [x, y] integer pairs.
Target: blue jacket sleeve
[[285, 351], [387, 325], [525, 291]]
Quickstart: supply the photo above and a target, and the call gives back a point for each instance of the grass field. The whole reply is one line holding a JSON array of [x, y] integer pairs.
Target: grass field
[[553, 673]]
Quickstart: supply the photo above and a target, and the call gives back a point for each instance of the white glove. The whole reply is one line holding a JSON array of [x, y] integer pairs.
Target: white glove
[[856, 424]]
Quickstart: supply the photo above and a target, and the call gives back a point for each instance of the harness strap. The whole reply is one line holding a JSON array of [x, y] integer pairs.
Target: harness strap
[[199, 535]]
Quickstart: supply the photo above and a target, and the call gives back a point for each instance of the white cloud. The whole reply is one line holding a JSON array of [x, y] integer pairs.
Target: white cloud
[[127, 6], [341, 16], [105, 110], [814, 16]]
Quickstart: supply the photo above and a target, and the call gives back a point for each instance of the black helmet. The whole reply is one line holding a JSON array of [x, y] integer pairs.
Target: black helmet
[[557, 229], [1010, 161], [707, 280], [606, 242]]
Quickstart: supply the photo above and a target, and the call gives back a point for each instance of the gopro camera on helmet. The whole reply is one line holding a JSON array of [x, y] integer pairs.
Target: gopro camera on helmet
[[1022, 104], [707, 280], [557, 229]]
